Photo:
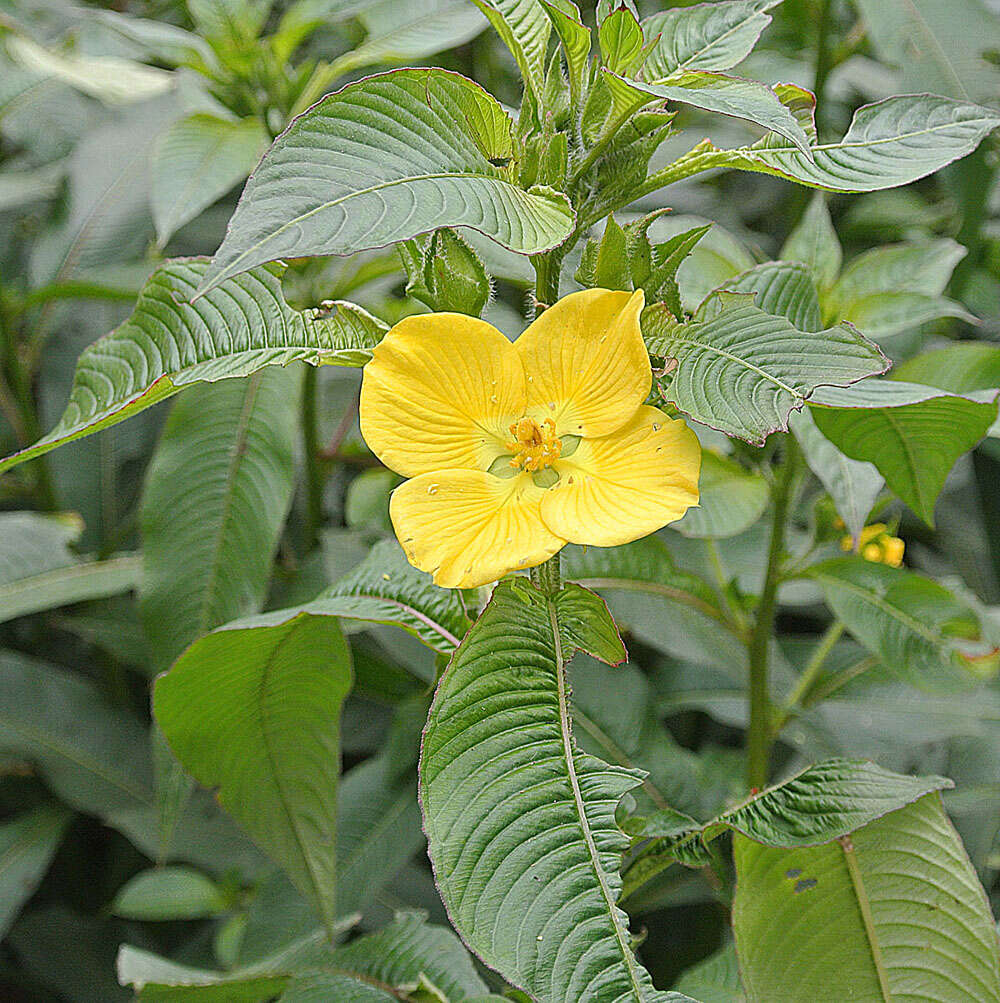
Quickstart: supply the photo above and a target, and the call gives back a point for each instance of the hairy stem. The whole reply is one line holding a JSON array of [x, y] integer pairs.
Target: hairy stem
[[759, 737], [547, 576]]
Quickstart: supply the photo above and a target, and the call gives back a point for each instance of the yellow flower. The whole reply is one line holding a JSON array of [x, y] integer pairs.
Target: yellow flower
[[514, 450], [875, 544]]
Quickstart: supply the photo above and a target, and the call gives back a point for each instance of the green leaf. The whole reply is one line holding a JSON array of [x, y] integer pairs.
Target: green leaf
[[814, 242], [71, 584], [747, 99], [660, 282], [655, 600], [890, 143], [943, 46], [894, 910], [196, 161], [32, 543], [575, 38], [256, 713], [620, 38], [169, 893], [401, 153], [386, 588], [822, 802], [93, 756], [916, 627], [108, 78], [28, 843], [732, 499], [169, 343], [713, 36], [395, 957], [912, 434], [521, 824], [524, 28], [854, 485], [892, 289], [716, 979], [408, 31], [960, 368], [783, 288], [217, 492], [743, 371]]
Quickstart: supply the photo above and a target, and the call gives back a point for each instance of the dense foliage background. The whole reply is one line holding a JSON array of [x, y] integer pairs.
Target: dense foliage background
[[126, 134]]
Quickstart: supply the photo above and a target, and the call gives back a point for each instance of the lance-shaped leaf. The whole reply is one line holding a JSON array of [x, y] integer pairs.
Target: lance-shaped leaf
[[894, 911], [575, 38], [747, 99], [391, 959], [896, 288], [386, 588], [815, 243], [854, 485], [913, 434], [520, 824], [28, 843], [743, 371], [385, 159], [707, 36], [196, 161], [405, 32], [524, 27], [217, 492], [916, 627], [169, 343], [823, 802], [93, 755], [256, 713], [890, 143]]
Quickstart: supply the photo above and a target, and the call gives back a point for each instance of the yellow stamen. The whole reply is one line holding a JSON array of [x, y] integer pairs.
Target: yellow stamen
[[534, 447]]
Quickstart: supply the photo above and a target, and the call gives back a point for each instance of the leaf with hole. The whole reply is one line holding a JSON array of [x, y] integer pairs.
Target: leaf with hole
[[894, 910]]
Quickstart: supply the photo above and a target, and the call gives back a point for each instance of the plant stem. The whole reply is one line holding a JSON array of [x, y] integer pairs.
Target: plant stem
[[715, 559], [759, 736], [809, 675], [547, 576], [314, 472], [547, 267], [824, 54]]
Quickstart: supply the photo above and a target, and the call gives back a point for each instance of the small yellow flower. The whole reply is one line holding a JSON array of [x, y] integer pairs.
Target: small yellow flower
[[514, 450], [876, 544]]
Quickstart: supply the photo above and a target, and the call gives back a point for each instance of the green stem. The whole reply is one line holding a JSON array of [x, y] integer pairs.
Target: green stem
[[314, 472], [547, 267], [759, 736], [824, 53], [809, 675], [715, 559], [547, 576]]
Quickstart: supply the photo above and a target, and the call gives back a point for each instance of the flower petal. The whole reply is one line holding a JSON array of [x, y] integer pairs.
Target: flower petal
[[625, 485], [586, 362], [467, 527], [440, 392]]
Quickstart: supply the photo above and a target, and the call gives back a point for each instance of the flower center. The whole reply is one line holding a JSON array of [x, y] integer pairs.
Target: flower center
[[533, 447]]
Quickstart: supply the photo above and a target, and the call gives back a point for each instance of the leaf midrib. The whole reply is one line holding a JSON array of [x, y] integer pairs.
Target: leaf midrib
[[357, 193], [566, 732]]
